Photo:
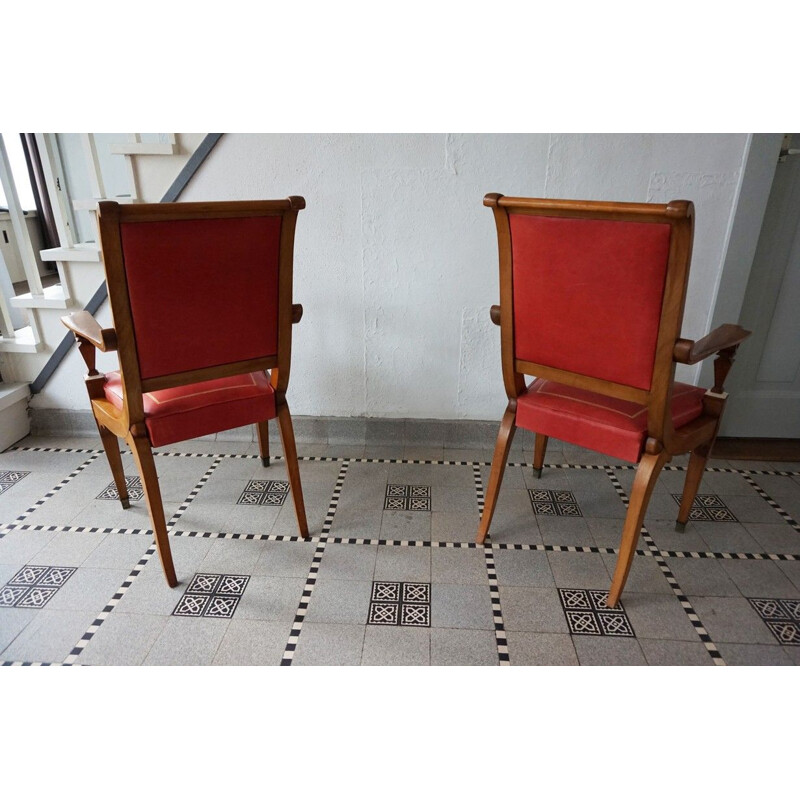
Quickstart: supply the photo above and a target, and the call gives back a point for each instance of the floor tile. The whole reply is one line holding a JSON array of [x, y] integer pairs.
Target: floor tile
[[759, 578], [348, 562], [386, 645], [187, 642], [645, 575], [284, 559], [754, 655], [450, 647], [406, 526], [702, 576], [122, 640], [461, 606], [252, 642], [731, 620], [523, 568], [403, 564], [49, 636], [12, 622], [458, 565], [453, 526], [608, 651], [532, 609], [329, 645], [89, 589], [340, 602], [658, 616], [579, 570], [541, 649], [671, 653]]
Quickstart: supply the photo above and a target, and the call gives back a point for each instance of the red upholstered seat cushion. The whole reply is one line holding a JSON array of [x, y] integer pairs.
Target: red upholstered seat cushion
[[615, 427], [174, 415]]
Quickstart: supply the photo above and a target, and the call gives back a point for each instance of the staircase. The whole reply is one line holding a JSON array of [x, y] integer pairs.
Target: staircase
[[79, 170]]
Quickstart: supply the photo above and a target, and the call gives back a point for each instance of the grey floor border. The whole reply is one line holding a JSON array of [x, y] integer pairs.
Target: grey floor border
[[699, 628]]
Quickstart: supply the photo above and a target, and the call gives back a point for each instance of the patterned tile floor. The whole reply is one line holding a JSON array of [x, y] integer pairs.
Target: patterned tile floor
[[391, 574]]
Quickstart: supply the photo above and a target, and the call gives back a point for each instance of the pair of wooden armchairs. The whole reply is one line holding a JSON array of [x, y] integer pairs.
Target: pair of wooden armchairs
[[591, 302]]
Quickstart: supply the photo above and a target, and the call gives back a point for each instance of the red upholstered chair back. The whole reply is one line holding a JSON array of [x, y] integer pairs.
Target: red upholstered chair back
[[592, 293], [588, 294], [199, 290], [203, 292]]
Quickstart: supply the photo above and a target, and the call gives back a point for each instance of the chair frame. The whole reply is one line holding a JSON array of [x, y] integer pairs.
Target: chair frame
[[128, 423], [662, 440]]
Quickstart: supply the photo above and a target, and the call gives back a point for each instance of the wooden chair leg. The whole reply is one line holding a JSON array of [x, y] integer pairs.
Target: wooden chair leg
[[143, 455], [694, 474], [643, 483], [263, 441], [111, 447], [290, 454], [540, 447], [504, 438]]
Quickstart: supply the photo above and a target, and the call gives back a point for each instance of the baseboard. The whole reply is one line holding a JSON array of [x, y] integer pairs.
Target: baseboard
[[457, 433], [753, 449], [372, 431]]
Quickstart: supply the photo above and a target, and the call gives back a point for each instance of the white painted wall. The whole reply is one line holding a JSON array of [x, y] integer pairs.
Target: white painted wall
[[396, 257]]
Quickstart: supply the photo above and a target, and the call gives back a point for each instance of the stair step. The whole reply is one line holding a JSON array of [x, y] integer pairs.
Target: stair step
[[14, 421], [80, 252], [53, 297], [10, 393], [91, 204], [23, 342], [143, 149]]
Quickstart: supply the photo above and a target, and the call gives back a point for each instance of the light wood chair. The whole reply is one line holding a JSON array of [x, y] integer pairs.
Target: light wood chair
[[201, 296], [592, 297]]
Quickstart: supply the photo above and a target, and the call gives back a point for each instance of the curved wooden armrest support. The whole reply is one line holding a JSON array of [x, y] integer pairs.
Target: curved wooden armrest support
[[297, 313], [494, 313], [86, 327], [725, 337]]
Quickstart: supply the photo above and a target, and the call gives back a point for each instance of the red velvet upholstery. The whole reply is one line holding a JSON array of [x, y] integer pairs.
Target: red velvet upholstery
[[173, 415], [615, 427], [203, 292], [588, 294]]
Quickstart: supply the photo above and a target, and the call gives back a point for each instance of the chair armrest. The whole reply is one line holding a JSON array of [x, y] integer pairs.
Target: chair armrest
[[85, 326], [494, 313], [723, 338], [297, 313]]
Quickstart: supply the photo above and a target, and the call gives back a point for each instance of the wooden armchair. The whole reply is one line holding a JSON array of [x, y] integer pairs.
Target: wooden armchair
[[201, 296], [591, 303]]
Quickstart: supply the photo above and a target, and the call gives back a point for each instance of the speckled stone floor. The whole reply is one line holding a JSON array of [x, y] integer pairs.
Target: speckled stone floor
[[391, 574]]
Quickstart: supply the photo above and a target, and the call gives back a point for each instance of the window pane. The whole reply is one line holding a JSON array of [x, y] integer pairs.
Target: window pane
[[19, 171]]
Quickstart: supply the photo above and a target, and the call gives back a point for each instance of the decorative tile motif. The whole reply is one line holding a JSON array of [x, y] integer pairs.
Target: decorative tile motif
[[407, 498], [588, 615], [135, 489], [210, 595], [34, 586], [264, 493], [555, 503], [708, 508], [782, 617], [10, 477], [396, 603]]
